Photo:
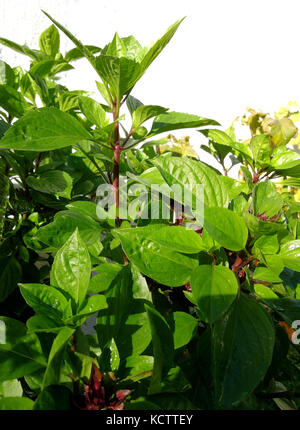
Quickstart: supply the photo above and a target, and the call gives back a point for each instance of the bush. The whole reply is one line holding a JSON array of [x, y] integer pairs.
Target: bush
[[193, 276]]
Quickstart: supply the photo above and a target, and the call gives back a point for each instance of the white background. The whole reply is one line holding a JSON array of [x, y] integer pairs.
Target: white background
[[225, 56]]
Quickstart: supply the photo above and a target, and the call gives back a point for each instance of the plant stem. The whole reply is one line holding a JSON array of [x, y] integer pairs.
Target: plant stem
[[117, 156]]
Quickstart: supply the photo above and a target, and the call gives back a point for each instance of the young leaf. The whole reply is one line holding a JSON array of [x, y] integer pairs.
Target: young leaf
[[83, 48], [49, 41], [88, 307], [214, 289], [71, 269], [44, 129]]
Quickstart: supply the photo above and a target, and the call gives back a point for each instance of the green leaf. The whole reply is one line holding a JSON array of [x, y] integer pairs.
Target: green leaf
[[88, 307], [159, 251], [290, 255], [7, 76], [22, 49], [55, 182], [222, 139], [125, 319], [266, 199], [76, 54], [242, 345], [265, 274], [16, 404], [84, 49], [71, 269], [176, 120], [9, 277], [11, 388], [226, 227], [52, 373], [189, 173], [132, 104], [93, 111], [20, 353], [234, 187], [49, 41], [44, 299], [58, 232], [119, 73], [138, 366], [104, 277], [163, 348], [183, 326], [44, 129], [158, 46], [145, 112], [12, 101], [214, 289], [261, 149]]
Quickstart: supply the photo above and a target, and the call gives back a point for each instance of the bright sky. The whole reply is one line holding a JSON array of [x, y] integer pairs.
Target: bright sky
[[226, 55]]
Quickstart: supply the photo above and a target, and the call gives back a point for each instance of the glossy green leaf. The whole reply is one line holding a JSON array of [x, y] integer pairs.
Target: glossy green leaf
[[158, 252], [44, 299], [49, 41], [163, 347], [20, 353], [189, 173], [242, 345], [214, 289], [43, 130], [55, 182], [290, 254], [176, 120], [226, 227], [71, 269], [56, 233]]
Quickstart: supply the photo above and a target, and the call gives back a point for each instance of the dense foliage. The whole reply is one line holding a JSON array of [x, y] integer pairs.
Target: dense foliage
[[198, 309]]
